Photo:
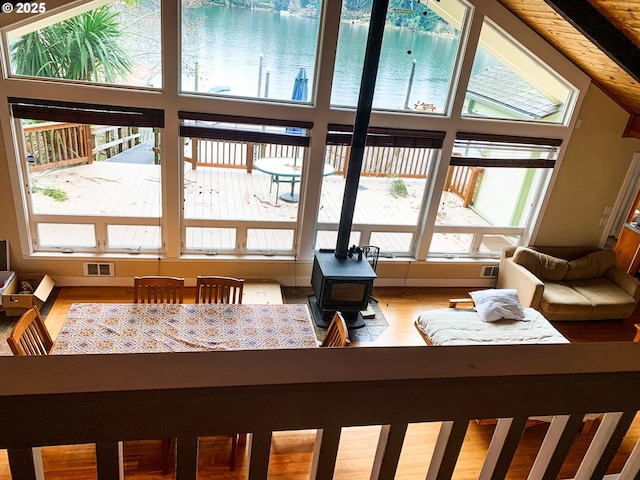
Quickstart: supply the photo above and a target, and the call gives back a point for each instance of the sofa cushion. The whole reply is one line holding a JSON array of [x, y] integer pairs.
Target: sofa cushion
[[600, 292], [591, 266], [543, 266], [560, 298]]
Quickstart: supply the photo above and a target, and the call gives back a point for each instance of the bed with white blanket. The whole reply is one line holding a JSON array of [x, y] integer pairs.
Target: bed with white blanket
[[462, 326]]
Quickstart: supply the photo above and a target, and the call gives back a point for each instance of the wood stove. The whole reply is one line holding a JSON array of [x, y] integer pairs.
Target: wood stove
[[340, 285]]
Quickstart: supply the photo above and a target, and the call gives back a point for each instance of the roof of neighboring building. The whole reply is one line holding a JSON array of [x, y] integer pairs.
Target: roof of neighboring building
[[500, 86]]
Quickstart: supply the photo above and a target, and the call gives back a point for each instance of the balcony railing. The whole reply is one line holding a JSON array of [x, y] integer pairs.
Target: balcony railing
[[53, 144], [61, 400]]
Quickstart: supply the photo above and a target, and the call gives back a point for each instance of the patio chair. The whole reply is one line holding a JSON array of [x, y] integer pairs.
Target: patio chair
[[337, 334], [214, 289], [158, 289], [30, 335]]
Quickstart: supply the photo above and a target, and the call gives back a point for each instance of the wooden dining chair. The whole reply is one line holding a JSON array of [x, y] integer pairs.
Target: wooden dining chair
[[214, 289], [30, 335], [158, 289], [337, 334]]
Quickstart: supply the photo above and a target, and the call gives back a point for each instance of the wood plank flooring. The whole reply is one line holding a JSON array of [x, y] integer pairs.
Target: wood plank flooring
[[292, 451]]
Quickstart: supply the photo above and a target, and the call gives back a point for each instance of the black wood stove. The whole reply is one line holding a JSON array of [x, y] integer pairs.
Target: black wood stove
[[342, 285]]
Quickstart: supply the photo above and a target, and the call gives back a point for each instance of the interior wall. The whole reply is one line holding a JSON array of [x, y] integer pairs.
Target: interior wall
[[592, 172]]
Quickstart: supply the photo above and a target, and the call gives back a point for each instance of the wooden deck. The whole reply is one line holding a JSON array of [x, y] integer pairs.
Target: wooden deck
[[132, 191]]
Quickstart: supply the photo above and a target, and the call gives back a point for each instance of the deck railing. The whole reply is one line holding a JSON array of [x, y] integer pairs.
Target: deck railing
[[383, 161], [462, 181], [230, 154], [61, 400], [53, 144], [377, 161], [109, 141]]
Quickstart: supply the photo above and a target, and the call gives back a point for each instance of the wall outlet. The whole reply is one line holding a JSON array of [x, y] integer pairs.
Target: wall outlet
[[608, 210], [603, 221]]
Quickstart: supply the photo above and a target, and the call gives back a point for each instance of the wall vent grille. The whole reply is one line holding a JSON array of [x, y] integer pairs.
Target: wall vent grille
[[489, 271], [98, 270]]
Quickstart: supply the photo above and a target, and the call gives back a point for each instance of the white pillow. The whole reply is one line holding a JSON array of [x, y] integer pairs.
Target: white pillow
[[497, 304]]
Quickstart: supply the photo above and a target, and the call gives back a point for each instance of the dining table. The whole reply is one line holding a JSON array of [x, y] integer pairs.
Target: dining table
[[286, 170], [144, 328], [105, 328]]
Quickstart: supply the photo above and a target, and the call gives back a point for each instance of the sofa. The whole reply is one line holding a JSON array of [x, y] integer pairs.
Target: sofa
[[569, 283]]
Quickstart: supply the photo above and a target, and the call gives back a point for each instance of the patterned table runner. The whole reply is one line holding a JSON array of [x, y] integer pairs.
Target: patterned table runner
[[93, 328]]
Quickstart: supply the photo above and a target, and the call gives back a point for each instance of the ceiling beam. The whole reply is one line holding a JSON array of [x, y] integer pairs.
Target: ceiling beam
[[597, 28]]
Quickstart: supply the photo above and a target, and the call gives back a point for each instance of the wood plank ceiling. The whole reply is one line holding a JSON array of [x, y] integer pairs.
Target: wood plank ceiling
[[602, 37]]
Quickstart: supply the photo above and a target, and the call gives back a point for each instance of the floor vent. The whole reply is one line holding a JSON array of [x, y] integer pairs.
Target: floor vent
[[489, 271], [98, 270]]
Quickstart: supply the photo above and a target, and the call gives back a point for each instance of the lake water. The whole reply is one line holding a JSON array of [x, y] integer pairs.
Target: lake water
[[225, 45]]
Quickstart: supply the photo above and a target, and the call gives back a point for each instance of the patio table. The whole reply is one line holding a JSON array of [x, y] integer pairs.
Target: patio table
[[286, 170]]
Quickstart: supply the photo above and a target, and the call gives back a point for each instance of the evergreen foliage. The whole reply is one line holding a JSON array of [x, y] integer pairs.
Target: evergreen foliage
[[84, 47]]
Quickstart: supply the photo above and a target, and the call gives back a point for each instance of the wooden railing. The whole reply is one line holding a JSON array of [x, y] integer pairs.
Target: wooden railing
[[230, 154], [462, 181], [383, 161], [53, 144], [377, 161], [62, 400], [109, 141]]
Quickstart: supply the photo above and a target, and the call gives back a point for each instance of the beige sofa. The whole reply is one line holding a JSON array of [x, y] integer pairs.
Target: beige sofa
[[569, 283]]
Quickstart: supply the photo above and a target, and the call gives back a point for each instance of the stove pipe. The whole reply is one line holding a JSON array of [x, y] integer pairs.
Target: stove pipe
[[361, 125]]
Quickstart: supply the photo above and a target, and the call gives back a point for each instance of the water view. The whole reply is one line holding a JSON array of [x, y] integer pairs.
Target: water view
[[255, 53]]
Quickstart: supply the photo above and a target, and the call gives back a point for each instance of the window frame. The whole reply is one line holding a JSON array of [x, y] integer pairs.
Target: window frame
[[86, 113], [474, 140], [246, 130]]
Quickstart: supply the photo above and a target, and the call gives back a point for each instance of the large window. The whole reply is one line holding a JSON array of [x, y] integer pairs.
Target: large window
[[509, 83], [93, 177], [116, 43], [240, 50], [419, 52], [248, 163], [492, 187], [390, 197], [241, 183]]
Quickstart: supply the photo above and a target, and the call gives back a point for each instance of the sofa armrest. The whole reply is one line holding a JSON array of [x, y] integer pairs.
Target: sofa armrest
[[529, 287], [623, 280]]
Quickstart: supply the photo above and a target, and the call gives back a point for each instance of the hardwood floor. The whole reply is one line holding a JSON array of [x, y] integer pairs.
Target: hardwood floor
[[292, 451]]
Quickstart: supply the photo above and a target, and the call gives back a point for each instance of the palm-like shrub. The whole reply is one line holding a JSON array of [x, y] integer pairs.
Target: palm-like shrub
[[85, 47]]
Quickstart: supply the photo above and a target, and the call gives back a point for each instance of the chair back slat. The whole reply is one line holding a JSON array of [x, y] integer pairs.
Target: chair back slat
[[213, 289], [158, 289], [30, 335]]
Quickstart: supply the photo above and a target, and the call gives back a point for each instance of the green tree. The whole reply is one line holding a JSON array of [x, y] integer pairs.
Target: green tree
[[85, 47]]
